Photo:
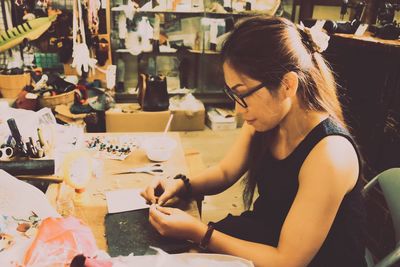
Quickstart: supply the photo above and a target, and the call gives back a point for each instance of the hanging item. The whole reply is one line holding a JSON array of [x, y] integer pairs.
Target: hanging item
[[29, 30], [81, 54], [6, 18], [93, 17], [101, 48], [43, 4], [145, 32]]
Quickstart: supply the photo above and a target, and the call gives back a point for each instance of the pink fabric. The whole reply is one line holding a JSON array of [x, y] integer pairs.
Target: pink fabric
[[57, 242], [98, 262]]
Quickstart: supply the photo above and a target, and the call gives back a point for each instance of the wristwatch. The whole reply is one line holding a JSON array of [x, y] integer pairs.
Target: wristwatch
[[206, 239]]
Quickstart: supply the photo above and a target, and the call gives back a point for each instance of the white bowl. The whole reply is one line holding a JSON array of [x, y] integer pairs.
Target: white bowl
[[159, 148]]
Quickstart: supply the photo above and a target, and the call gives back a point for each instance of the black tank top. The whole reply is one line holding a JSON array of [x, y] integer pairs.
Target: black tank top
[[277, 182]]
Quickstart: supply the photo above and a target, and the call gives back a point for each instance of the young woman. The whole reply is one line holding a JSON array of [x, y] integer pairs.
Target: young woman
[[294, 147]]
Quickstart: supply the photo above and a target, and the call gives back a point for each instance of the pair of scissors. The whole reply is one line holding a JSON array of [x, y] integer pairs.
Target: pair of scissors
[[153, 169]]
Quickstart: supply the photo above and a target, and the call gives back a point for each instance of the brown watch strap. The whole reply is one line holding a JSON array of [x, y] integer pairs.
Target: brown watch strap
[[206, 239]]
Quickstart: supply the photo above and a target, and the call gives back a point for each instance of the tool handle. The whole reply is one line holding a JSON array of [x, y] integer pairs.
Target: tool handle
[[28, 167], [14, 130]]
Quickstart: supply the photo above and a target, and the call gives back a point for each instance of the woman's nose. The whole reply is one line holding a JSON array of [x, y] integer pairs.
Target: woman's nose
[[239, 109]]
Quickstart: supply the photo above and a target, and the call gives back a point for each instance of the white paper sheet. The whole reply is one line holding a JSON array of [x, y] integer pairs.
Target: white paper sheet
[[125, 200]]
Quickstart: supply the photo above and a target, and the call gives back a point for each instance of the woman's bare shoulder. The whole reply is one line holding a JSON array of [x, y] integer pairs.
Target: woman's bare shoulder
[[334, 156]]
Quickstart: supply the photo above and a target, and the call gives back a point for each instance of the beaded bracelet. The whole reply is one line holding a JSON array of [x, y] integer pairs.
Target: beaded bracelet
[[187, 184]]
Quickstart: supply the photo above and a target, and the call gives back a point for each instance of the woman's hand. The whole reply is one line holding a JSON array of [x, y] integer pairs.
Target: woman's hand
[[161, 190], [176, 223]]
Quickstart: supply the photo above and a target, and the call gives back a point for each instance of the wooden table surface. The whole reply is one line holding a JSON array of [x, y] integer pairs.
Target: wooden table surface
[[93, 206]]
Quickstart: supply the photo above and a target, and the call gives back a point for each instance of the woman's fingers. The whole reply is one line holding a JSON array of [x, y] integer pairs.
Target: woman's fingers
[[149, 192], [160, 191], [154, 222], [165, 197], [148, 199], [143, 194], [159, 212], [157, 218], [165, 210]]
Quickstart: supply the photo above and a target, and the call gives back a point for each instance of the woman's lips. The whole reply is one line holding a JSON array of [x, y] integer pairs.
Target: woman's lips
[[250, 121]]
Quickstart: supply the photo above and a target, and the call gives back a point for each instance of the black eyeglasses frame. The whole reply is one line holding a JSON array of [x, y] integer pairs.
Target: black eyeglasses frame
[[239, 98]]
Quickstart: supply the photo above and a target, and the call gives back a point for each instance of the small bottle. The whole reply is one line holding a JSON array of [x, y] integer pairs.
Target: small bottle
[[228, 5], [65, 200], [197, 41], [213, 34], [247, 6], [151, 67], [195, 4], [120, 76], [156, 34], [169, 5]]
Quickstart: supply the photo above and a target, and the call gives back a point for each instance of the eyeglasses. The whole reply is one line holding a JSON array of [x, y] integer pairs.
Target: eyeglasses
[[239, 98]]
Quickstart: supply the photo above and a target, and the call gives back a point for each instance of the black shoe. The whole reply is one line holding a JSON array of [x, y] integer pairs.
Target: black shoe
[[60, 85]]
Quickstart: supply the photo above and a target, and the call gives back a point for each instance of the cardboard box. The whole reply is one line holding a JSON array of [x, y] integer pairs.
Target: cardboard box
[[217, 122], [129, 118], [65, 119], [63, 113], [187, 120]]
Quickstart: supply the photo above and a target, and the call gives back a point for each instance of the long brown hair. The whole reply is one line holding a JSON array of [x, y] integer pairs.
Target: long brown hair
[[265, 49]]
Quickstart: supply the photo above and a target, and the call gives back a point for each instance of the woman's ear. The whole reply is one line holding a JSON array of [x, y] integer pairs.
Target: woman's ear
[[290, 83]]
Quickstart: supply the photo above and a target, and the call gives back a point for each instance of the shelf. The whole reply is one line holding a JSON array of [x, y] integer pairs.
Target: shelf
[[207, 52], [206, 98], [122, 51], [204, 71], [203, 13], [236, 14], [164, 12]]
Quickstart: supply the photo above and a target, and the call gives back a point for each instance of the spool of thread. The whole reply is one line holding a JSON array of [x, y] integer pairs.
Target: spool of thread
[[6, 153]]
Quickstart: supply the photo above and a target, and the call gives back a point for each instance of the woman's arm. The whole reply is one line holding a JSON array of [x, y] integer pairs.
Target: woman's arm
[[328, 173], [221, 176], [211, 181]]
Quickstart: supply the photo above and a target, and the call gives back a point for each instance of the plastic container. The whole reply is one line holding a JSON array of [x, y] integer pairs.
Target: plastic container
[[47, 60], [159, 148]]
